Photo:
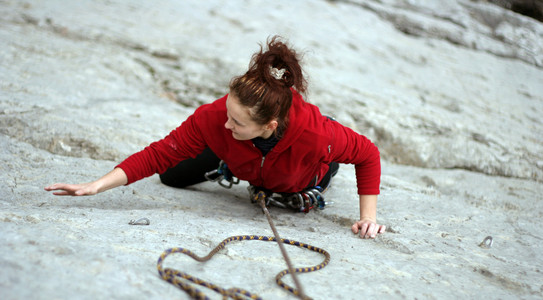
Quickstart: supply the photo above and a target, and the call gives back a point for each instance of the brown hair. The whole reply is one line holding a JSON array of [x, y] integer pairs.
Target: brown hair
[[267, 97]]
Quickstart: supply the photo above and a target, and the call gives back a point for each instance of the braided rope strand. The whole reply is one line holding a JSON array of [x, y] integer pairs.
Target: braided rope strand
[[175, 277]]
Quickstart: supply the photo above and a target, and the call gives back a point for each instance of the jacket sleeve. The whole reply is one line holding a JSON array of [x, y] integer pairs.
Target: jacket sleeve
[[182, 143], [347, 146]]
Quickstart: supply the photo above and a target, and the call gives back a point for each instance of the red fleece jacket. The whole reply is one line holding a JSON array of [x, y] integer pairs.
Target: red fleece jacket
[[308, 145]]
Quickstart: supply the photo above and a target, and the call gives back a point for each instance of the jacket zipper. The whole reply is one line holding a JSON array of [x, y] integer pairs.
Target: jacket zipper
[[262, 169], [261, 165]]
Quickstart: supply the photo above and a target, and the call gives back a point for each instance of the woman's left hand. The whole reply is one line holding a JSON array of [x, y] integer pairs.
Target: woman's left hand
[[368, 228]]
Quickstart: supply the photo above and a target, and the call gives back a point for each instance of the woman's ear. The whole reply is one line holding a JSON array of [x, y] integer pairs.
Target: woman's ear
[[272, 125]]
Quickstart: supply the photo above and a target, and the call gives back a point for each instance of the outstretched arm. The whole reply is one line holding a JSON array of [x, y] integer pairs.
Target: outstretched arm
[[352, 148], [115, 178], [367, 227]]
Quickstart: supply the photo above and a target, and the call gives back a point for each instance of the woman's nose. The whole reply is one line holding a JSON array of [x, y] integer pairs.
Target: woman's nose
[[227, 125]]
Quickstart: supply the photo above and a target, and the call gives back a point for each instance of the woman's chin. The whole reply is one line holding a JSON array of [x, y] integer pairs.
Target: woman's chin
[[237, 136]]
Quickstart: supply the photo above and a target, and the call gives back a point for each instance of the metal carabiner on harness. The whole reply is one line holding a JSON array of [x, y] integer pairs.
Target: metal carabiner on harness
[[222, 175], [309, 198], [316, 194]]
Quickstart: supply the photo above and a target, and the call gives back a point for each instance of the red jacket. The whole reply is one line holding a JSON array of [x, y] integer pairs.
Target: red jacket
[[308, 145]]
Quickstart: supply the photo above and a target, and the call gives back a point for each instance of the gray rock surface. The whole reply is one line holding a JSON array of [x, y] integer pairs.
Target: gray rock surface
[[451, 92]]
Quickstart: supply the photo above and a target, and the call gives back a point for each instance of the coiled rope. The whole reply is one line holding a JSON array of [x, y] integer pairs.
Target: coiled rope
[[179, 278]]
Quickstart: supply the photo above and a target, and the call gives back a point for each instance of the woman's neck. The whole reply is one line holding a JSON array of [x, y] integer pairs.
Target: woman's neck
[[267, 134]]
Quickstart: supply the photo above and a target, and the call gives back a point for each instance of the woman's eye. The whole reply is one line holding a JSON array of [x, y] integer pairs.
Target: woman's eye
[[236, 122]]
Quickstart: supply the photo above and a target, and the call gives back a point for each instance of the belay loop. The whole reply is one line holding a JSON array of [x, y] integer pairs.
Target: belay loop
[[222, 175]]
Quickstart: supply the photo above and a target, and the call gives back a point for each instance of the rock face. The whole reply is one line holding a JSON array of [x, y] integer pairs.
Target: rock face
[[530, 8], [450, 91], [438, 112]]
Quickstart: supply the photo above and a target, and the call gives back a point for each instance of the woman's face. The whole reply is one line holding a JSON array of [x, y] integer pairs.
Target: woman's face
[[240, 123]]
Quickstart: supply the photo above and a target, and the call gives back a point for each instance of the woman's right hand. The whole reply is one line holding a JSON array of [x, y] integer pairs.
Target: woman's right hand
[[113, 179], [63, 189]]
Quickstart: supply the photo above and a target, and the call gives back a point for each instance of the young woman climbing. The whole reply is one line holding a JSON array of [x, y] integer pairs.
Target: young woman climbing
[[263, 132]]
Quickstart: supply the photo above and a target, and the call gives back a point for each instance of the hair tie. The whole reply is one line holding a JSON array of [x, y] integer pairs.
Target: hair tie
[[277, 73]]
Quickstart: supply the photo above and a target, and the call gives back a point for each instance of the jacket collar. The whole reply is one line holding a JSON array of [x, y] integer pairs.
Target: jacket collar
[[298, 116]]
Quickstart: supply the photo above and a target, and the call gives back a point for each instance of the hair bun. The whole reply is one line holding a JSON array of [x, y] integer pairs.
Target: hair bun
[[279, 65]]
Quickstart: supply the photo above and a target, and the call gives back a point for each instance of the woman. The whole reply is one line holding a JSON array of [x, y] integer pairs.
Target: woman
[[265, 133]]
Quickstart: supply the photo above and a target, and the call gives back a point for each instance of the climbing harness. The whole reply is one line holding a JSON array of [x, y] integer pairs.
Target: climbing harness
[[304, 201], [222, 175], [176, 277]]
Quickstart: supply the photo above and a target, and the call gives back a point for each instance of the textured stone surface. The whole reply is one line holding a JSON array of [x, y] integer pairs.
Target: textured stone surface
[[450, 92]]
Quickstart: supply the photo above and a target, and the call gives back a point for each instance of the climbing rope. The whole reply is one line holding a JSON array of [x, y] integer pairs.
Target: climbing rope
[[176, 277]]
